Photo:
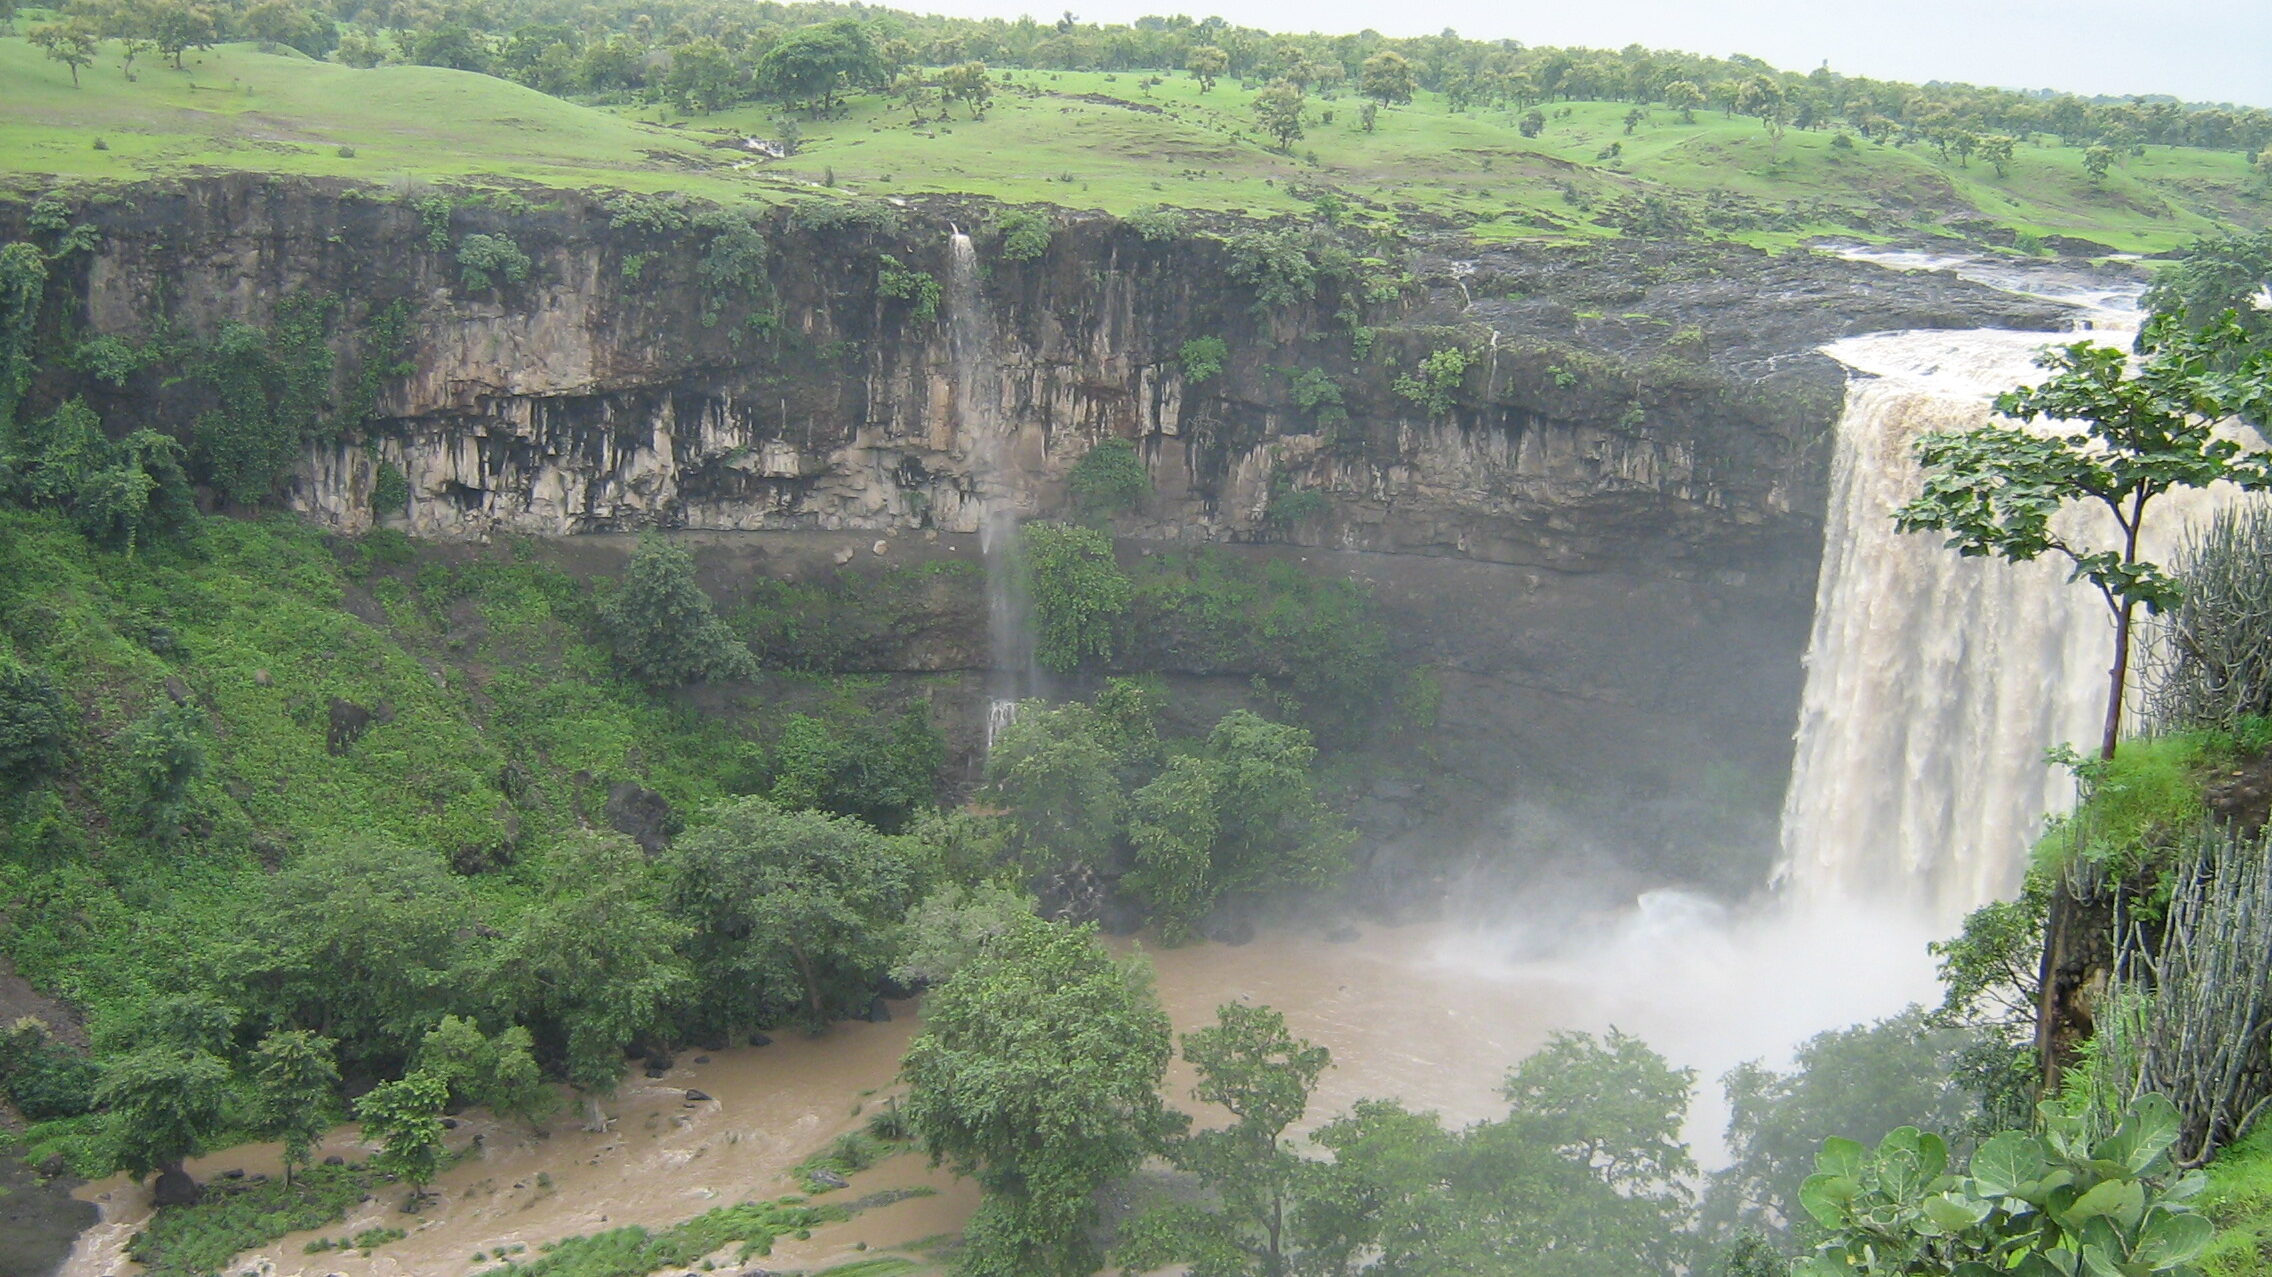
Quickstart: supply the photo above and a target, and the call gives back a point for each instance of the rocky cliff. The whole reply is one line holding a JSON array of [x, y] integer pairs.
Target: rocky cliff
[[1618, 484]]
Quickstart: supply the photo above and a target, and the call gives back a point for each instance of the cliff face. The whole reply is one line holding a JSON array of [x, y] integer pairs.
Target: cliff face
[[1630, 462], [622, 382]]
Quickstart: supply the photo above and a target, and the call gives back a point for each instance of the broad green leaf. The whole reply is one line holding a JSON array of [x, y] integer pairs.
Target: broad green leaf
[[1821, 1266], [2185, 1188], [1955, 1214], [2171, 1239], [2007, 1163], [2098, 1261], [2122, 1200], [2148, 1130], [1827, 1197], [1841, 1157]]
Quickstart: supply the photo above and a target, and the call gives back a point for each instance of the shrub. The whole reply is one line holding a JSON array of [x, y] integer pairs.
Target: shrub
[[1156, 223], [1436, 385], [919, 288], [1025, 235], [481, 256], [35, 725], [1203, 358], [1078, 592], [1109, 479], [661, 626]]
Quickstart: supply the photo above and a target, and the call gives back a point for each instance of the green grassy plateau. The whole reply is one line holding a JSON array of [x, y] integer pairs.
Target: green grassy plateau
[[1110, 141]]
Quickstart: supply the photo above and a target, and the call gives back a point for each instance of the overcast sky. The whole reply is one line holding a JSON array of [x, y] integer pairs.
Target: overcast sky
[[2200, 50]]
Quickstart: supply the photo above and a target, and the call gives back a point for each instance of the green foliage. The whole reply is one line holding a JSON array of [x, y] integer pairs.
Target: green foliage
[[1318, 394], [295, 1080], [1994, 490], [272, 389], [1241, 816], [661, 625], [1584, 1176], [787, 913], [493, 1071], [813, 64], [1155, 223], [1054, 771], [1038, 1072], [1078, 592], [2215, 277], [1322, 634], [1276, 264], [1025, 234], [920, 289], [357, 940], [390, 490], [232, 1217], [595, 961], [1861, 1081], [953, 925], [405, 1117], [882, 771], [751, 1228], [119, 494], [162, 1103], [23, 281], [35, 725], [1109, 479], [41, 1075], [1436, 384], [484, 259], [164, 757], [733, 266], [1203, 358], [1249, 1064], [2062, 1202], [1278, 109]]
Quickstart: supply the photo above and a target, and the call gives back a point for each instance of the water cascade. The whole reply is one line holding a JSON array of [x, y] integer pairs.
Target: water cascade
[[1011, 672], [1934, 682]]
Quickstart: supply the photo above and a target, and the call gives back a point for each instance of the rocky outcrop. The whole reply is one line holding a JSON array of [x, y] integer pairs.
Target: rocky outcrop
[[1615, 406]]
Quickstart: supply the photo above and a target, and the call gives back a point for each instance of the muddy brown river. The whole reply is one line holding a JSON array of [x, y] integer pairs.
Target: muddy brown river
[[1430, 1014]]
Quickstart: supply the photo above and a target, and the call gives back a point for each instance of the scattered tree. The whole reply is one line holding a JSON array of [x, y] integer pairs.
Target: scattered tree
[[71, 42], [405, 1117], [1278, 109], [295, 1080], [1206, 62], [1386, 78], [662, 627], [1038, 1072]]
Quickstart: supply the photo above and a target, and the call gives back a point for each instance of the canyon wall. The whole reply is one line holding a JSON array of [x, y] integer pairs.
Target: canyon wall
[[1605, 538]]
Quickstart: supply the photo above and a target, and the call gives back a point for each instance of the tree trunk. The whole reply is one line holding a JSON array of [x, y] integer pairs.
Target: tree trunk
[[2116, 677], [2078, 959]]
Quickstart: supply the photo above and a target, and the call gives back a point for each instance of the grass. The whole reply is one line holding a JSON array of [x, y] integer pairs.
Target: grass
[[750, 1227], [236, 1216], [2239, 1199], [1105, 140], [2146, 795]]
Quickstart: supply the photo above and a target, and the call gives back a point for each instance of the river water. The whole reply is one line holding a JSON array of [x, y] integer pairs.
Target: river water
[[1431, 1014]]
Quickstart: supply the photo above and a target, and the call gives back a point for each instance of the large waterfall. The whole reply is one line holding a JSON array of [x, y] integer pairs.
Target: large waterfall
[[1935, 683]]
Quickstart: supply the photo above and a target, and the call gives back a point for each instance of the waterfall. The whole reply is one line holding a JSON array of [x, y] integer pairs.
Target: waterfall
[[1934, 682], [1011, 670]]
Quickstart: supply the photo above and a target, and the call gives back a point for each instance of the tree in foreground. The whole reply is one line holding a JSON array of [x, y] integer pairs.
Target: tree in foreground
[[164, 1103], [1278, 109], [1038, 1072], [2119, 439], [71, 42], [1249, 1064]]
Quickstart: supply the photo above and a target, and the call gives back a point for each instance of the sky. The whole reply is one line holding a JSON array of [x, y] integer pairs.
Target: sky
[[2197, 50]]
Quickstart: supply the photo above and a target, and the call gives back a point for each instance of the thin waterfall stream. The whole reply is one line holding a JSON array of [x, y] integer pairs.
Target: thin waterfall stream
[[979, 430]]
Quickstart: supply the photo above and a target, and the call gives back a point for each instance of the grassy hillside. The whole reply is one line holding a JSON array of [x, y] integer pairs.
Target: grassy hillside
[[1111, 141]]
